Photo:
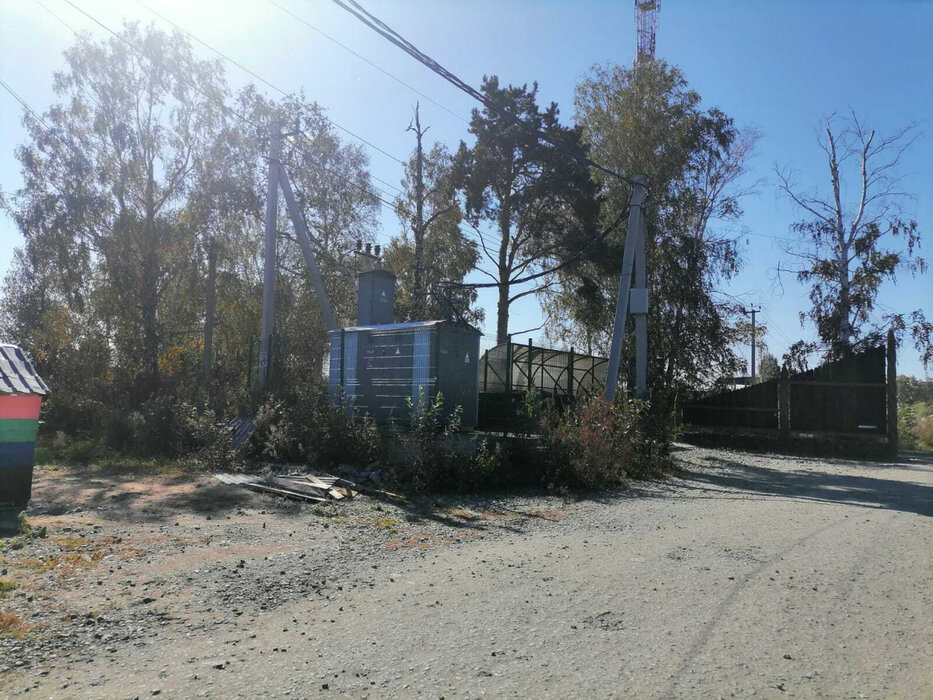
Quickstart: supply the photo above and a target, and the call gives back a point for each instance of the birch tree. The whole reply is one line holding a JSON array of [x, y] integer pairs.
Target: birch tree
[[855, 235]]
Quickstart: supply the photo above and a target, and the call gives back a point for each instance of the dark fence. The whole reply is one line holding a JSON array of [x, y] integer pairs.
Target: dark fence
[[846, 397], [753, 407]]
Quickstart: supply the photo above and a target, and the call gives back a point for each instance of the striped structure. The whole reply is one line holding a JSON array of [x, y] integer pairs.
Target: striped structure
[[21, 392]]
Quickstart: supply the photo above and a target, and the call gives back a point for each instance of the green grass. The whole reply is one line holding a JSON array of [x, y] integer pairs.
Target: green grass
[[60, 452], [6, 587]]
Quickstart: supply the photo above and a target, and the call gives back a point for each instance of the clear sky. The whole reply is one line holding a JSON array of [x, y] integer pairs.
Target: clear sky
[[777, 66]]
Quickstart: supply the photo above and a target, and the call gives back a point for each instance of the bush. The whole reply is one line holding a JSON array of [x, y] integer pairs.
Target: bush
[[167, 426], [309, 425], [63, 448], [925, 433], [593, 444], [432, 455]]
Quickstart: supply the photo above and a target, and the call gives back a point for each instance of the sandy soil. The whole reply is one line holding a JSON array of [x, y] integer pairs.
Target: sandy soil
[[743, 575]]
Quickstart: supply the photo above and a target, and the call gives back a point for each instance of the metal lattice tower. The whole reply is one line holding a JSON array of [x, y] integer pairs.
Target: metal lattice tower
[[646, 26]]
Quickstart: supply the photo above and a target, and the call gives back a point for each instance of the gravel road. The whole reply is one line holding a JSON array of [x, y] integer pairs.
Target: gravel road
[[742, 575]]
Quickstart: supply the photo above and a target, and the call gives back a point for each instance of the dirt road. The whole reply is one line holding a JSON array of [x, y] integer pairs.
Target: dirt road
[[746, 575]]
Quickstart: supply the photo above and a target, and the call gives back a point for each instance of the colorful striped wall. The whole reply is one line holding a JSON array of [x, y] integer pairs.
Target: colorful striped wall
[[19, 420]]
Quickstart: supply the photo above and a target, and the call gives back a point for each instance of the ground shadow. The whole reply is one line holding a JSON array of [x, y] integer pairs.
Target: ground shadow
[[727, 476]]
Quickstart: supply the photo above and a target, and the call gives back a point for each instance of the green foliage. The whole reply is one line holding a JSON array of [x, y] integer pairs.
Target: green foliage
[[142, 200], [595, 445], [61, 448], [768, 368], [915, 426], [24, 528], [846, 253], [308, 425], [448, 255], [646, 119], [525, 177], [913, 390], [432, 455], [429, 459]]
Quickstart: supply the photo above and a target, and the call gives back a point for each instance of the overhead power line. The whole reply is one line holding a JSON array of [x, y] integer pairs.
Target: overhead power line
[[365, 60], [551, 270], [239, 65], [22, 102], [384, 30], [226, 108]]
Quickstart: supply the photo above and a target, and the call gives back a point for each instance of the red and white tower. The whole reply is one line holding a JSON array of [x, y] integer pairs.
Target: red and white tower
[[646, 27]]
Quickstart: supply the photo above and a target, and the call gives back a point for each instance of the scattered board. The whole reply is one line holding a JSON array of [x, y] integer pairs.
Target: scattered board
[[302, 487]]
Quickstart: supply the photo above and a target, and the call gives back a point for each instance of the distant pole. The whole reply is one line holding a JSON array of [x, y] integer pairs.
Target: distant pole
[[271, 253], [625, 287], [753, 311], [892, 392]]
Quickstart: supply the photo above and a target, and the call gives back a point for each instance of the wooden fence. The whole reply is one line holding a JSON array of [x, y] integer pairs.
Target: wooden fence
[[853, 396]]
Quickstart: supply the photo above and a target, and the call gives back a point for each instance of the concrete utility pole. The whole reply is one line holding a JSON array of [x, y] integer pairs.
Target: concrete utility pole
[[279, 178], [753, 311], [634, 248], [304, 241], [271, 253]]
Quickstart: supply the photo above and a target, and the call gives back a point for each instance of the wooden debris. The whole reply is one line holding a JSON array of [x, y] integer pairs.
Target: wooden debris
[[303, 487]]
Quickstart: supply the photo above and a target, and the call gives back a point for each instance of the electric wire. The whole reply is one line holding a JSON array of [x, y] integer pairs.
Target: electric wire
[[232, 111], [23, 102], [239, 65], [275, 87], [384, 30], [549, 271], [375, 65]]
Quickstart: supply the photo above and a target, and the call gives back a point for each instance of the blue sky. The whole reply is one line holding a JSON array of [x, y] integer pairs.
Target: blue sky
[[776, 66]]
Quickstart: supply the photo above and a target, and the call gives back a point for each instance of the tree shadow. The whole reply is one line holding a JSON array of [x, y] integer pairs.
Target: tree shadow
[[726, 477]]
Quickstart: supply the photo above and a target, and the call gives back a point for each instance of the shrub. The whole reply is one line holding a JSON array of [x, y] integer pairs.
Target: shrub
[[925, 432], [168, 426], [63, 448], [432, 455], [427, 458], [593, 444], [309, 425]]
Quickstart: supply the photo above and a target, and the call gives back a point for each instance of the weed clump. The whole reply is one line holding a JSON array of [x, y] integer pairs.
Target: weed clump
[[595, 444], [12, 625]]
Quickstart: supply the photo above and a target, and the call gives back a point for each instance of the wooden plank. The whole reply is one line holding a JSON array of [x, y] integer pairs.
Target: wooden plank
[[283, 492], [295, 485], [324, 487]]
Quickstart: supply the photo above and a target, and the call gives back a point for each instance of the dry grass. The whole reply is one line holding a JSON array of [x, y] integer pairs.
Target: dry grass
[[39, 566], [70, 541], [383, 522], [6, 587], [463, 514], [12, 625]]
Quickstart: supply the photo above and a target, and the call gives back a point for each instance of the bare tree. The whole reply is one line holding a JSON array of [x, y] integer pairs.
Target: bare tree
[[846, 244]]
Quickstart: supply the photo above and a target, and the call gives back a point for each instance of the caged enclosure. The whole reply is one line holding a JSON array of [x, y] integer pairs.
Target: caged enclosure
[[509, 370]]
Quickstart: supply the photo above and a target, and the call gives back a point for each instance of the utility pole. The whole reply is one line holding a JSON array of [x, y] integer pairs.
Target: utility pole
[[278, 178], [417, 287], [634, 247], [271, 253], [752, 310]]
